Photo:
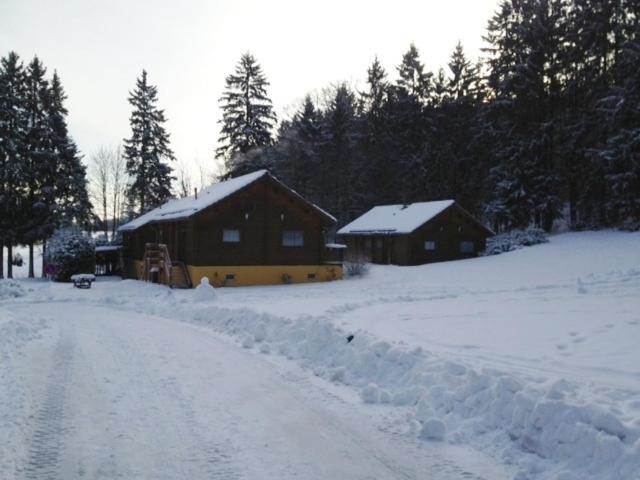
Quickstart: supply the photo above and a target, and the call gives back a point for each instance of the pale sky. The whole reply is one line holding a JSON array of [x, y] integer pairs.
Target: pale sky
[[189, 46]]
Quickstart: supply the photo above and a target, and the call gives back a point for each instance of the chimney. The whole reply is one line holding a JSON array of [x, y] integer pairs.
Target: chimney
[[196, 190]]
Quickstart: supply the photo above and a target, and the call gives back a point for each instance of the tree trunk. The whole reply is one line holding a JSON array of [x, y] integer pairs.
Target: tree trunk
[[9, 261], [44, 251], [31, 274], [1, 260]]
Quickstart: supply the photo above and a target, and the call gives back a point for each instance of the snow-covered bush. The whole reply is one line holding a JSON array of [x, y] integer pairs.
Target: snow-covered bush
[[70, 252], [17, 260], [515, 239], [356, 264]]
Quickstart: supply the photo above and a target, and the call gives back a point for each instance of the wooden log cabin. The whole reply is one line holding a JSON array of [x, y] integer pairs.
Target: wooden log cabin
[[415, 234], [250, 230]]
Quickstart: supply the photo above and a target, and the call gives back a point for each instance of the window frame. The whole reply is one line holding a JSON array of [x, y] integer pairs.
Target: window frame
[[297, 242], [430, 245], [225, 239], [464, 243]]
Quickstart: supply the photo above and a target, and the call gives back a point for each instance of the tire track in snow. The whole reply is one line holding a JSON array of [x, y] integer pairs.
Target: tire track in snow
[[213, 455], [47, 441]]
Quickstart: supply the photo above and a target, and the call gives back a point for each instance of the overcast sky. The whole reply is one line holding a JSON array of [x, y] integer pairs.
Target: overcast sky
[[189, 46]]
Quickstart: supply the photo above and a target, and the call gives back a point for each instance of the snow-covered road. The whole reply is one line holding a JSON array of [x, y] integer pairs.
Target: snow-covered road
[[108, 395]]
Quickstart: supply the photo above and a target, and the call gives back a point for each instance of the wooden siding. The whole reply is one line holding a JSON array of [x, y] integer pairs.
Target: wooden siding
[[448, 229], [261, 212]]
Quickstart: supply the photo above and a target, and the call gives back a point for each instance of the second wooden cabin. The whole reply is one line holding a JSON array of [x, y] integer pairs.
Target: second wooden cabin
[[416, 233]]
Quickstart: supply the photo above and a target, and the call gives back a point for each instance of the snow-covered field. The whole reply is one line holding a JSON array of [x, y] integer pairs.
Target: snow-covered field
[[523, 365]]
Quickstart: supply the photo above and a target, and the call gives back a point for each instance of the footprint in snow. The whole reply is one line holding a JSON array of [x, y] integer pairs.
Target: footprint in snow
[[634, 322], [573, 334], [561, 346]]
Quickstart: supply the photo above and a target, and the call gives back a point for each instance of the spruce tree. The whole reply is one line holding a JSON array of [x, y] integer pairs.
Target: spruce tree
[[38, 209], [147, 151], [341, 165], [12, 137], [72, 198], [247, 117], [412, 77]]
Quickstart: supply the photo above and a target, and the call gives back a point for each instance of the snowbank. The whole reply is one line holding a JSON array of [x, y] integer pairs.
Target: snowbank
[[547, 430], [11, 289]]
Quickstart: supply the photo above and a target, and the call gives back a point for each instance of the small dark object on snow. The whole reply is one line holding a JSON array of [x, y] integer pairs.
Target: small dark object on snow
[[83, 280], [349, 338]]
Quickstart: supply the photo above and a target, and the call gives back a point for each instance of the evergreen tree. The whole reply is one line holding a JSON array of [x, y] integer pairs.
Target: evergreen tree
[[147, 150], [524, 79], [410, 123], [413, 80], [620, 154], [72, 198], [38, 208], [456, 169], [340, 166], [247, 116], [12, 137], [376, 146], [298, 162]]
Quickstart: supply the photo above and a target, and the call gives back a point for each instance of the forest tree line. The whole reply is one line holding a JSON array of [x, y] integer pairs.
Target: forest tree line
[[545, 127], [43, 182]]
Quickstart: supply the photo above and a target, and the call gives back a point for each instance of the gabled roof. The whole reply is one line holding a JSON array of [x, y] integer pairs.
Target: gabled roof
[[399, 219], [181, 208]]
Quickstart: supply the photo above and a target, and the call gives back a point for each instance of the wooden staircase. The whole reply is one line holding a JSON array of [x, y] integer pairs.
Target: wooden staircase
[[179, 276], [159, 268]]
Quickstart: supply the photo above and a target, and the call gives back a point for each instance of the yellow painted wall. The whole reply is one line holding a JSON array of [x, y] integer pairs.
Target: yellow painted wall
[[264, 274], [257, 274]]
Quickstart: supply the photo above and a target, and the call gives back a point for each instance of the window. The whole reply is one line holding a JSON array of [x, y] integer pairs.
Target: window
[[429, 245], [379, 243], [230, 235], [466, 247], [311, 276], [229, 277], [292, 238]]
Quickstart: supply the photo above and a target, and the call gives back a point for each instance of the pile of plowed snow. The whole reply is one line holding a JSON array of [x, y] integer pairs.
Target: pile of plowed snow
[[11, 289]]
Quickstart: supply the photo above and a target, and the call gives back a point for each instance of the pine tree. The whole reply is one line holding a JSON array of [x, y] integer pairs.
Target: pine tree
[[340, 163], [525, 81], [620, 154], [247, 116], [72, 198], [413, 79], [147, 150], [456, 169], [38, 208], [12, 137], [410, 123]]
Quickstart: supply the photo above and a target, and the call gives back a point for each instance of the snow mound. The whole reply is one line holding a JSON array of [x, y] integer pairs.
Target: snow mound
[[433, 429], [204, 292], [11, 289], [495, 411]]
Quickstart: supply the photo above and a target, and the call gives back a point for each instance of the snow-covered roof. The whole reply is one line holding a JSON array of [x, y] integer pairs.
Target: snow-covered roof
[[395, 218], [181, 208]]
